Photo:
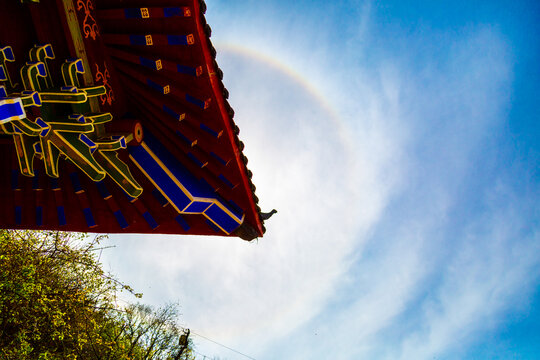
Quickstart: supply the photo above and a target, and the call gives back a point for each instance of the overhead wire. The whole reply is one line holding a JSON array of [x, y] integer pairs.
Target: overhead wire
[[204, 356], [225, 346]]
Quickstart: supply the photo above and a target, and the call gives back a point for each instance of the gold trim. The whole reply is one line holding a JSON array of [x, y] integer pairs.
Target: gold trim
[[149, 41]]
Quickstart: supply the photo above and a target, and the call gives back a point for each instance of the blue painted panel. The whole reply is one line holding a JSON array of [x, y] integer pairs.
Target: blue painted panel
[[39, 66], [121, 219], [209, 130], [86, 140], [237, 210], [61, 215], [54, 183], [76, 182], [3, 92], [35, 96], [48, 50], [177, 39], [184, 138], [14, 179], [89, 217], [159, 197], [195, 101], [150, 220], [102, 188], [159, 176], [173, 11], [148, 63], [155, 85], [77, 117], [37, 148], [197, 207], [132, 13], [18, 215], [9, 111], [123, 143], [195, 160], [198, 189], [3, 76], [189, 70], [171, 112], [8, 53], [218, 158], [177, 169], [183, 223], [213, 226], [137, 39], [221, 218], [227, 205], [39, 216], [79, 67], [205, 183], [130, 198], [226, 181], [42, 124], [70, 89]]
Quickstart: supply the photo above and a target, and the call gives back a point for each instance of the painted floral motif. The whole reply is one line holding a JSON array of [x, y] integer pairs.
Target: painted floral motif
[[90, 27], [104, 78]]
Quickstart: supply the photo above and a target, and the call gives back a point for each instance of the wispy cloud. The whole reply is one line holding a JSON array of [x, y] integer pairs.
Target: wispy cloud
[[397, 233], [450, 252]]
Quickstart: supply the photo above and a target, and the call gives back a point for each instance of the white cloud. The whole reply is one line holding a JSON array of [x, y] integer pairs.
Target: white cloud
[[494, 271], [406, 137], [245, 294], [440, 267]]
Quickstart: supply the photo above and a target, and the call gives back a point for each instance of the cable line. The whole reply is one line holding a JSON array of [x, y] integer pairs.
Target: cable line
[[198, 353], [226, 347]]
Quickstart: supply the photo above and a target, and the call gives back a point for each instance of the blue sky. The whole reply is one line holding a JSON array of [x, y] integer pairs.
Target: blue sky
[[399, 142]]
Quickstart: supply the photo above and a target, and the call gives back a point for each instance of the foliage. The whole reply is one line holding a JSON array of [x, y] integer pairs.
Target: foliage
[[56, 302]]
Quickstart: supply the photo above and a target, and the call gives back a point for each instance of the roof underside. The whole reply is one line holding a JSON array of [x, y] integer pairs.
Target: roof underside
[[157, 65]]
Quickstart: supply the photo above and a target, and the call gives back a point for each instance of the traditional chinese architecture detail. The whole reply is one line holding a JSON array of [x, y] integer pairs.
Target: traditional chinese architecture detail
[[50, 135], [185, 194], [6, 55], [158, 154], [90, 27], [104, 77]]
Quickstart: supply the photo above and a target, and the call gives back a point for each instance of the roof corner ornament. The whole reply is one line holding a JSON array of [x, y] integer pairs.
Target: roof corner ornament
[[268, 215]]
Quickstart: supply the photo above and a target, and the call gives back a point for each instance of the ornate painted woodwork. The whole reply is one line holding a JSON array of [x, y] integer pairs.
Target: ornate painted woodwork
[[113, 118]]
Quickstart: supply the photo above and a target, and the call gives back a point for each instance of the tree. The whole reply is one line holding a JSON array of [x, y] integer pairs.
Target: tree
[[56, 302]]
